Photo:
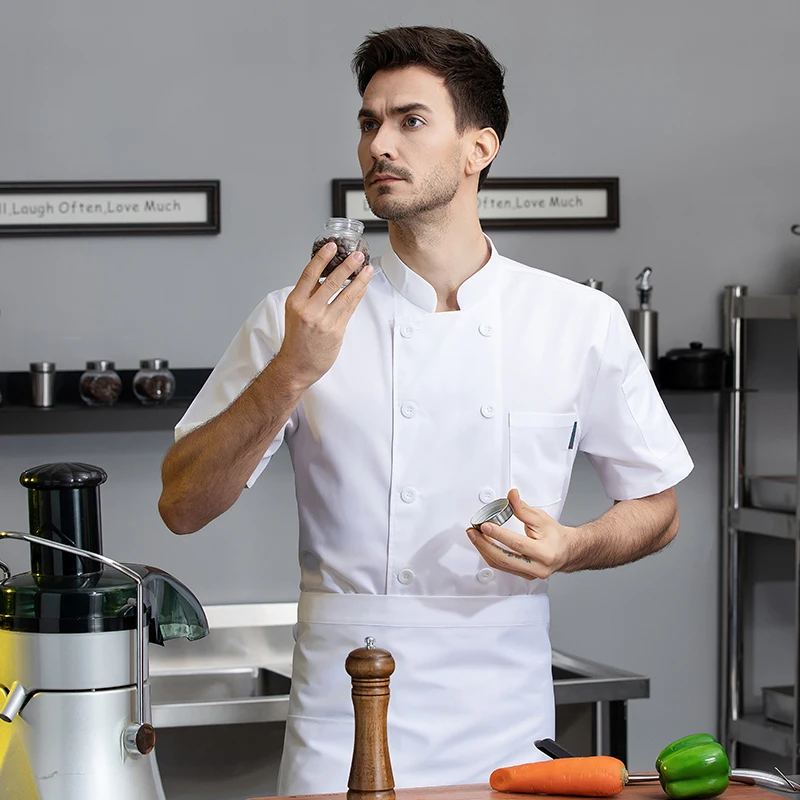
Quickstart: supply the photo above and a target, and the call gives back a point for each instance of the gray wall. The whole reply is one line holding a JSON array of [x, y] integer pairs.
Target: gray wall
[[693, 105]]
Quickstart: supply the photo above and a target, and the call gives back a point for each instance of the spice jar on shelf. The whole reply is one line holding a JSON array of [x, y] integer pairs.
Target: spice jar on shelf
[[154, 383], [346, 234], [100, 385]]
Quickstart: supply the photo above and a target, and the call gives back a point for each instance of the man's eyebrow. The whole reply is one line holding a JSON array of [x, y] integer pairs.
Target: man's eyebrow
[[396, 111]]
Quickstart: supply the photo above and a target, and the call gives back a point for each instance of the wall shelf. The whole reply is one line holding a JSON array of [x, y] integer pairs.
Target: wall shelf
[[71, 415]]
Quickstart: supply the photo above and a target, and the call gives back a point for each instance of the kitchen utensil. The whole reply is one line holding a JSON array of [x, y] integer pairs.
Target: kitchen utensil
[[371, 775], [644, 320], [551, 748], [74, 636], [695, 367], [498, 511]]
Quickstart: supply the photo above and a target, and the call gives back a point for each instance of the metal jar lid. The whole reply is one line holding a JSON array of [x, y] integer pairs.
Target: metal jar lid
[[102, 365], [498, 512], [154, 363], [43, 366]]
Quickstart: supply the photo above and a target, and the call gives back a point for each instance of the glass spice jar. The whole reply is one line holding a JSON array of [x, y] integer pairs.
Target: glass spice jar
[[100, 385], [347, 235], [154, 383]]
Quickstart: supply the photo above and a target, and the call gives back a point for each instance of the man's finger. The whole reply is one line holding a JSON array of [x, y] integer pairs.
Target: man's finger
[[517, 542], [335, 280], [346, 301], [502, 559], [525, 513], [309, 278]]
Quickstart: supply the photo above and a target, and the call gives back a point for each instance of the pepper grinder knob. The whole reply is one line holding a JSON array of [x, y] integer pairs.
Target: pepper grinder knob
[[371, 775]]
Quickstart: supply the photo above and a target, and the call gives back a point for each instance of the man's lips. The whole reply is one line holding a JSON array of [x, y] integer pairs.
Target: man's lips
[[385, 179]]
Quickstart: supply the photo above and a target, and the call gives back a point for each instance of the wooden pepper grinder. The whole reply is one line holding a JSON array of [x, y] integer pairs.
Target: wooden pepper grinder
[[371, 775]]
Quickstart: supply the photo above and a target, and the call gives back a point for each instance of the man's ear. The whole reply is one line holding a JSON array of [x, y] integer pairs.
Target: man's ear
[[485, 145]]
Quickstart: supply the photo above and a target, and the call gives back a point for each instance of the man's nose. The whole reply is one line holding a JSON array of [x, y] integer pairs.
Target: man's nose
[[382, 144]]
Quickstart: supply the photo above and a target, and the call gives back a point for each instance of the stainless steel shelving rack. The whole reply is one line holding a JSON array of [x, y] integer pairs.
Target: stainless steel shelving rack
[[738, 521]]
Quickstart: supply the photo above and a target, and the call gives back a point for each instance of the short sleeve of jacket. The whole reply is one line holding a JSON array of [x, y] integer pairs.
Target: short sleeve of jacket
[[253, 347], [628, 434]]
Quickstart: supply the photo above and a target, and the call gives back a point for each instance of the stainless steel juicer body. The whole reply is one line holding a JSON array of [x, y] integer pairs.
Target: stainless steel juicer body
[[75, 720], [75, 705]]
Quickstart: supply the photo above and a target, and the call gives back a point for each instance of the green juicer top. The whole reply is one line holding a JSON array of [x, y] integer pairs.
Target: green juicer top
[[66, 593]]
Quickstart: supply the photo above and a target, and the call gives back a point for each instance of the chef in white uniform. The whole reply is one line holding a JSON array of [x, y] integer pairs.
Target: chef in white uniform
[[440, 378]]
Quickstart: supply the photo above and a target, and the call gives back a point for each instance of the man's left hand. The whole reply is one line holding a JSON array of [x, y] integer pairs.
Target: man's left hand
[[539, 553]]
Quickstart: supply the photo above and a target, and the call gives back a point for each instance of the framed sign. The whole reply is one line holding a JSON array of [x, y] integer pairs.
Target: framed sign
[[512, 203], [109, 207]]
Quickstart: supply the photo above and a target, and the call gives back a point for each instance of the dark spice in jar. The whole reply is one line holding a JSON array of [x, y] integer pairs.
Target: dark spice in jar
[[344, 247], [155, 387], [101, 388], [154, 383], [100, 384]]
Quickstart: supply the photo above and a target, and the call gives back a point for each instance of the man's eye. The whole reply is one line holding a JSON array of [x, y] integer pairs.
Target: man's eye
[[368, 125], [414, 122]]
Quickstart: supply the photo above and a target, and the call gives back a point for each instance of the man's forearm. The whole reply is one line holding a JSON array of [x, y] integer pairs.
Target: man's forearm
[[629, 530], [204, 473]]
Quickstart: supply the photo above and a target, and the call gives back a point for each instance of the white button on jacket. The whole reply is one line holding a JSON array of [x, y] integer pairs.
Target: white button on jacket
[[405, 576]]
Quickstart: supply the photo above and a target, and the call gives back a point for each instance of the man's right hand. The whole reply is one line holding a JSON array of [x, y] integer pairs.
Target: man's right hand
[[316, 317]]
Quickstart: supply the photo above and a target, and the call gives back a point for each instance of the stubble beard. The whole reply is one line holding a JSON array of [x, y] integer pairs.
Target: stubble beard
[[437, 192]]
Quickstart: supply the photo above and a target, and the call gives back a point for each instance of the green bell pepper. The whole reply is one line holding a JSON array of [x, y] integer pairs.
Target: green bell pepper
[[693, 768], [682, 744]]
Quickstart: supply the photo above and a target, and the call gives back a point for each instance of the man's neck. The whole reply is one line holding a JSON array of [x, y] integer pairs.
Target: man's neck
[[445, 252]]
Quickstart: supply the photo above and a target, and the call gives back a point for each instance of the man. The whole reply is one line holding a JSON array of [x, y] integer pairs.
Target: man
[[444, 378]]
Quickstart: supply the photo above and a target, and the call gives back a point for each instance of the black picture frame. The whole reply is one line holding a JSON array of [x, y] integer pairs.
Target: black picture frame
[[86, 208], [348, 192]]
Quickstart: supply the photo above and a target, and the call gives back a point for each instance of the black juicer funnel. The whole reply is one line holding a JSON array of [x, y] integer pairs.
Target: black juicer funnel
[[64, 507]]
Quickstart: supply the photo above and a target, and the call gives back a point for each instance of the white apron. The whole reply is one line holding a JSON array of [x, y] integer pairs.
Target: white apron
[[452, 719]]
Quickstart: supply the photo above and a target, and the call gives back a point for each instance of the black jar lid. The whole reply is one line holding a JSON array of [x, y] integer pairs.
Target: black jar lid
[[63, 475], [695, 352]]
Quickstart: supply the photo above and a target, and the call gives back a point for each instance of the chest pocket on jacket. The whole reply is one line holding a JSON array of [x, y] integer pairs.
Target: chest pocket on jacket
[[539, 447]]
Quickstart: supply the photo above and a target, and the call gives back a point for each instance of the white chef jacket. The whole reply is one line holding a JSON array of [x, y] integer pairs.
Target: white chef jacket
[[425, 417]]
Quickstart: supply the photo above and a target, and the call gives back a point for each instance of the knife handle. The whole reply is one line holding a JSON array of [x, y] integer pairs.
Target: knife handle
[[552, 749]]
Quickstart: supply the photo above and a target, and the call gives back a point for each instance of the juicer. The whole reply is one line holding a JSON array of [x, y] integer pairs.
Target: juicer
[[75, 721]]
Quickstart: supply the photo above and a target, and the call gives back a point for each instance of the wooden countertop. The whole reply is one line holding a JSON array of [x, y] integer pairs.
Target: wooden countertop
[[482, 791]]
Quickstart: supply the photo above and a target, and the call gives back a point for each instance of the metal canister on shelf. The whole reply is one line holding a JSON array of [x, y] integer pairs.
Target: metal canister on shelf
[[43, 383], [100, 385], [154, 383]]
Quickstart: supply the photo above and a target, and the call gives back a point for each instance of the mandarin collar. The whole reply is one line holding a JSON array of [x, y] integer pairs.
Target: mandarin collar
[[419, 292]]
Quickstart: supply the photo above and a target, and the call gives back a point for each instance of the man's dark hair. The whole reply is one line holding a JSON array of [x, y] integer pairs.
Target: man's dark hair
[[471, 73]]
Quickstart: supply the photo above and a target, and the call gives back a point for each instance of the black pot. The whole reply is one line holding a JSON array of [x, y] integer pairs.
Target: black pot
[[695, 367]]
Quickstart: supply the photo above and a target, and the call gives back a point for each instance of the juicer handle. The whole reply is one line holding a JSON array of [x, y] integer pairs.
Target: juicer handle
[[6, 572], [139, 737]]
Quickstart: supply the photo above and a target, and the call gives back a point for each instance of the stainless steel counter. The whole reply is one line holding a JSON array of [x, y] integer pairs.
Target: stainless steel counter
[[241, 672]]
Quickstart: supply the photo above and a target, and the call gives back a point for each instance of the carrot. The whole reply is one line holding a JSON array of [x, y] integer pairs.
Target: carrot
[[590, 776]]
